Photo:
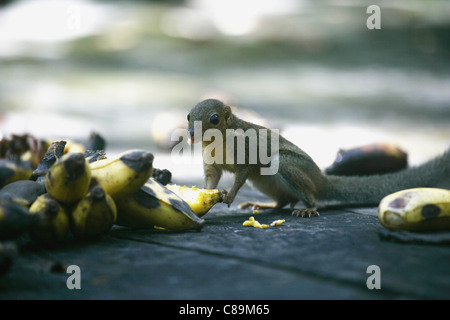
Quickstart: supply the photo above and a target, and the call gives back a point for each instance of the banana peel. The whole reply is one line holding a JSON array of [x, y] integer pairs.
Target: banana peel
[[200, 200], [155, 205], [416, 209]]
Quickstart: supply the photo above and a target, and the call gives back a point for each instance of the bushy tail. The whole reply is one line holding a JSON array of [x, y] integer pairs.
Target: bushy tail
[[369, 190]]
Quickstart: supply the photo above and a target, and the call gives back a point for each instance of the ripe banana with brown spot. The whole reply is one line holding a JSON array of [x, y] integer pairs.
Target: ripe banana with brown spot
[[200, 200], [51, 223], [123, 174], [155, 205], [68, 179], [417, 209], [94, 215]]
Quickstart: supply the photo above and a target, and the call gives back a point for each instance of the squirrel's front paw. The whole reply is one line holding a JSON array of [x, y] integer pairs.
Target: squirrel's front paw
[[306, 213], [228, 198]]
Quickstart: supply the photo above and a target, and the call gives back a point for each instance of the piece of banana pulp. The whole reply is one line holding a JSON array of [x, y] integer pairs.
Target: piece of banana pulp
[[417, 209], [200, 200], [155, 205]]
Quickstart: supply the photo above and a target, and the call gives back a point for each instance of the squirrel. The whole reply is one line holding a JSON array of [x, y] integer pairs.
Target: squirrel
[[298, 177]]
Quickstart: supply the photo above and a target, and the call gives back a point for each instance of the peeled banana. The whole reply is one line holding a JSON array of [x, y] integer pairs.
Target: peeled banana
[[417, 209], [155, 205], [94, 215], [51, 223], [123, 174], [68, 178], [200, 200]]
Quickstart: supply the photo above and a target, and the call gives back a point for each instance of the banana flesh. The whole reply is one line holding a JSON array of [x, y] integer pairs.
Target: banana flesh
[[51, 223], [68, 179], [155, 205], [94, 215], [417, 209], [123, 174], [200, 200]]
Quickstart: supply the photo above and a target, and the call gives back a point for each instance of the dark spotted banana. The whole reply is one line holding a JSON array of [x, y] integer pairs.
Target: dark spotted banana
[[68, 179], [418, 209], [51, 223]]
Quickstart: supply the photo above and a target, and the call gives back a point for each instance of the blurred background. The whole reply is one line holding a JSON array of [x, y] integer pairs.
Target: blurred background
[[132, 70]]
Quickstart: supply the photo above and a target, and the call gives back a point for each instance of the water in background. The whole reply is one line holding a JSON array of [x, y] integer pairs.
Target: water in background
[[310, 68]]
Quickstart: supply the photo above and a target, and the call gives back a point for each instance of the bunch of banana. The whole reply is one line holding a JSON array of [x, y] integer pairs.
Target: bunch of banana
[[155, 205], [14, 219], [123, 174], [94, 215], [417, 209], [68, 179], [51, 223], [200, 200]]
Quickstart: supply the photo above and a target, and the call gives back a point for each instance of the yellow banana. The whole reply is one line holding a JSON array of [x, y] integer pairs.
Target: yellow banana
[[418, 209], [123, 174], [14, 219], [155, 205], [200, 200], [11, 170], [68, 178], [51, 221], [94, 215]]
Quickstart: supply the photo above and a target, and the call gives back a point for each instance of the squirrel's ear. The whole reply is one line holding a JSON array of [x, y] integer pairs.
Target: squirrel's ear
[[228, 115]]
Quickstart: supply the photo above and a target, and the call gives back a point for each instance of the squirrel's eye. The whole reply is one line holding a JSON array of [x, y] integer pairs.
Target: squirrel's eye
[[214, 119], [189, 117]]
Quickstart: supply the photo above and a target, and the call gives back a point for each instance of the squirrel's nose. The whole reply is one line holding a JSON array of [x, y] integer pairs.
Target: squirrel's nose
[[191, 135], [191, 132]]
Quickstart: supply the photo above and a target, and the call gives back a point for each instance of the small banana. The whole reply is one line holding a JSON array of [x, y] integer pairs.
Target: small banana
[[51, 223], [94, 215], [23, 192], [13, 170], [68, 178], [124, 174], [200, 200], [14, 219], [417, 209], [155, 205]]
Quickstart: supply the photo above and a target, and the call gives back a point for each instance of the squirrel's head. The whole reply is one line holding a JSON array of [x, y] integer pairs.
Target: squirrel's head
[[212, 114]]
